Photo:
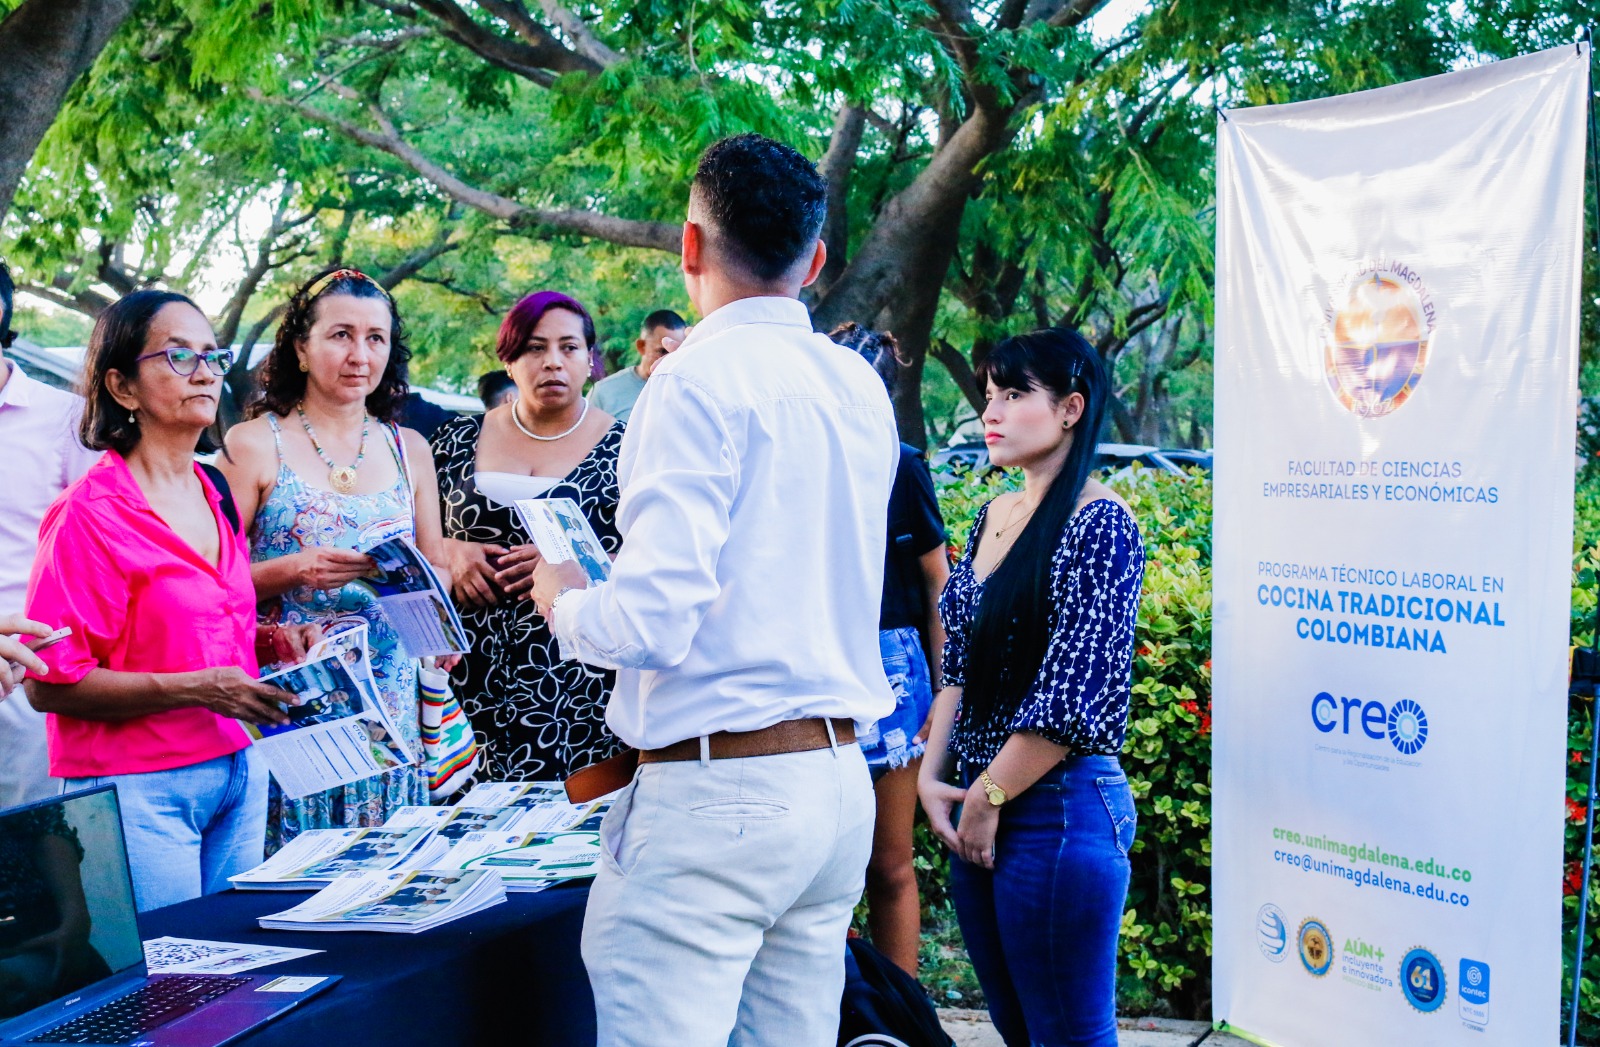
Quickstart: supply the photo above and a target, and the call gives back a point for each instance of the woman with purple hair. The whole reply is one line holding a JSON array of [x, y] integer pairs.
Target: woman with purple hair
[[537, 717]]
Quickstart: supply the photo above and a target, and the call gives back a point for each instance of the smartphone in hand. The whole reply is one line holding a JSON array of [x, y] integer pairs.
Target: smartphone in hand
[[39, 643]]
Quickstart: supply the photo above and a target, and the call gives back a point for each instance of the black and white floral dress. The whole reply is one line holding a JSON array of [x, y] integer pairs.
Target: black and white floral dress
[[537, 718]]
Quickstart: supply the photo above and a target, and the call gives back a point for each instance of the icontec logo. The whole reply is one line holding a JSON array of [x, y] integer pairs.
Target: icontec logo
[[1403, 723]]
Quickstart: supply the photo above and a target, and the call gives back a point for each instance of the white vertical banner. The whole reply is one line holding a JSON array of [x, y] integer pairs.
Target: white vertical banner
[[1396, 369]]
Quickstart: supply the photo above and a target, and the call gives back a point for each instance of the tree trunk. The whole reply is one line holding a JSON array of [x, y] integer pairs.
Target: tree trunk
[[45, 45]]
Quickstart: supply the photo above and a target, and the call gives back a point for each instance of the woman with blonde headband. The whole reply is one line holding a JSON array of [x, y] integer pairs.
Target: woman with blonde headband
[[320, 472]]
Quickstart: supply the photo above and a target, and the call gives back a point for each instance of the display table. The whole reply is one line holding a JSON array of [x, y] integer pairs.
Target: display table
[[510, 974]]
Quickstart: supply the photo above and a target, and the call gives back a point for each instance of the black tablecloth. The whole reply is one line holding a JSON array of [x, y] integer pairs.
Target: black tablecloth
[[511, 974]]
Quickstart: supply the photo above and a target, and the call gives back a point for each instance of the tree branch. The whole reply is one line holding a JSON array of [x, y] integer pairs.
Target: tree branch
[[960, 369], [660, 236], [414, 263], [836, 167], [538, 55], [578, 31]]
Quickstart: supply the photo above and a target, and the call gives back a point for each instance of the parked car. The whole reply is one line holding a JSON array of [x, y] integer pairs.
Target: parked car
[[1112, 460]]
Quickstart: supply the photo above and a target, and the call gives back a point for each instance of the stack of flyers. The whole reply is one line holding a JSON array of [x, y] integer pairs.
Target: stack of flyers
[[453, 823], [318, 856], [512, 794], [401, 902], [529, 861]]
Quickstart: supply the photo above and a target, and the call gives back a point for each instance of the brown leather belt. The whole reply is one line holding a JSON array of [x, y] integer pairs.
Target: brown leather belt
[[790, 736]]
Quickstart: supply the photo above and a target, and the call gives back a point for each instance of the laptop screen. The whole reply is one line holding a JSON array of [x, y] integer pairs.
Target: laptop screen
[[67, 917]]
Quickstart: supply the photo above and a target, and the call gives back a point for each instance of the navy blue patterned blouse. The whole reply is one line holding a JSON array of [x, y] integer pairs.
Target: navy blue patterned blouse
[[1080, 697]]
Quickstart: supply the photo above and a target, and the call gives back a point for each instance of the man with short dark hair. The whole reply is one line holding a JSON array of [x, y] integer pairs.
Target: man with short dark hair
[[742, 616], [43, 454], [616, 394]]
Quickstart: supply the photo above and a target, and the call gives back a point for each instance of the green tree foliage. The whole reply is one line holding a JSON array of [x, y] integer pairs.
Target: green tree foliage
[[995, 165]]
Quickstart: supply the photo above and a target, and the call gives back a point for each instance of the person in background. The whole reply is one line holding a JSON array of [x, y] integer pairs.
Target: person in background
[[140, 560], [322, 472], [422, 416], [742, 612], [496, 389], [1041, 613], [915, 571], [538, 716], [616, 394], [43, 455]]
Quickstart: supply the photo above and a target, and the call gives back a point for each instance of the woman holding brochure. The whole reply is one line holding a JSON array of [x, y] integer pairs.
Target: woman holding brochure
[[320, 473], [140, 560], [537, 717]]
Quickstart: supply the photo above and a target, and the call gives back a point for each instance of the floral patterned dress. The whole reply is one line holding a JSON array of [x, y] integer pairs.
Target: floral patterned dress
[[537, 717], [297, 516]]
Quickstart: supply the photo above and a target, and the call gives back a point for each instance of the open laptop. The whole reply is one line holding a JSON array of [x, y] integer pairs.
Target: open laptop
[[71, 961]]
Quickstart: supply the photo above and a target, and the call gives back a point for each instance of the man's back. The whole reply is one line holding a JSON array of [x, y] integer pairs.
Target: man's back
[[777, 566]]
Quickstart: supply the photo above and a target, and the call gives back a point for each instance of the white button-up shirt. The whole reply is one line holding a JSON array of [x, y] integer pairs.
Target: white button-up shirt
[[39, 456], [755, 476]]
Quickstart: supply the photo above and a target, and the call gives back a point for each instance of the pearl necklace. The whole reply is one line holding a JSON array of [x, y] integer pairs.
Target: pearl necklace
[[530, 434]]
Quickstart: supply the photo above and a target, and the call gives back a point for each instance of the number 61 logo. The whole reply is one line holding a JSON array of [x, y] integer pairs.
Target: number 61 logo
[[1422, 980]]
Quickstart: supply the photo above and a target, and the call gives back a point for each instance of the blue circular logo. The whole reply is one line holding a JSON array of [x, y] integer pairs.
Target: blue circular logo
[[1316, 947], [1272, 933], [1422, 980], [1408, 726]]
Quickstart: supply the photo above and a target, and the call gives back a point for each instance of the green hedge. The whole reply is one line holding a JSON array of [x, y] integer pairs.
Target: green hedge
[[1166, 943]]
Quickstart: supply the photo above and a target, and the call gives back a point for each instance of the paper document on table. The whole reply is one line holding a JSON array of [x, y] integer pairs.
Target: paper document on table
[[340, 733], [169, 955], [530, 861], [560, 530], [414, 600], [405, 902], [318, 856]]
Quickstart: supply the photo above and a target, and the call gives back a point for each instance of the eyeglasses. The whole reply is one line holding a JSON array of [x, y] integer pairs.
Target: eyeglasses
[[186, 362]]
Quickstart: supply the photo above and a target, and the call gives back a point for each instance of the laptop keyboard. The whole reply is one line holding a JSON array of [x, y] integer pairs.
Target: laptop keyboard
[[127, 1018]]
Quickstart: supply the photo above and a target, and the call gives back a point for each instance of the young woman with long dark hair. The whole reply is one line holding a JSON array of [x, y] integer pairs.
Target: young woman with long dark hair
[[1040, 616]]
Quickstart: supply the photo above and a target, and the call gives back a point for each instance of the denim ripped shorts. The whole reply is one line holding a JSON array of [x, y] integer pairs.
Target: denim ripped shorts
[[890, 743]]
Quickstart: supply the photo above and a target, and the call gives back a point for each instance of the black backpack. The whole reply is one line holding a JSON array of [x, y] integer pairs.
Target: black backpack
[[884, 1006]]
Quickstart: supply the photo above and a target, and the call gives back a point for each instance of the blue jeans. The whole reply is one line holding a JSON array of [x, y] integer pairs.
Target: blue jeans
[[890, 743], [1041, 928], [190, 828]]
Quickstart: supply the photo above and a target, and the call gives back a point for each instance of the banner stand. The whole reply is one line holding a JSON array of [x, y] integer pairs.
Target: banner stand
[[1594, 690], [1398, 318]]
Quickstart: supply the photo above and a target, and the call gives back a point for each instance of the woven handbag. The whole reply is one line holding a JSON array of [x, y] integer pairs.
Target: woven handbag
[[448, 744]]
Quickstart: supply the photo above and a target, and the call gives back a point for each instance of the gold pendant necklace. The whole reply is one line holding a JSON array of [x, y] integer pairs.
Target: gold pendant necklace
[[342, 478], [1000, 532]]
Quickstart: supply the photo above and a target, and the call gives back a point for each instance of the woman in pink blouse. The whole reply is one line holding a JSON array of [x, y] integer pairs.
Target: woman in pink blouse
[[140, 560]]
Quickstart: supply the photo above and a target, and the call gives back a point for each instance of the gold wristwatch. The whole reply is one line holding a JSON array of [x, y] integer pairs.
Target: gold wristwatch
[[997, 795]]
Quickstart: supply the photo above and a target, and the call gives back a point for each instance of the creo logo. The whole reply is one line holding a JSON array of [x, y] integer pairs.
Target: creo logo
[[1403, 723]]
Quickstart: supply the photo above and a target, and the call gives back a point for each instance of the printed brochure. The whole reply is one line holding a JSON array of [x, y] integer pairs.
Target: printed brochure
[[403, 902], [341, 732], [414, 600], [558, 527], [529, 861], [318, 856]]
